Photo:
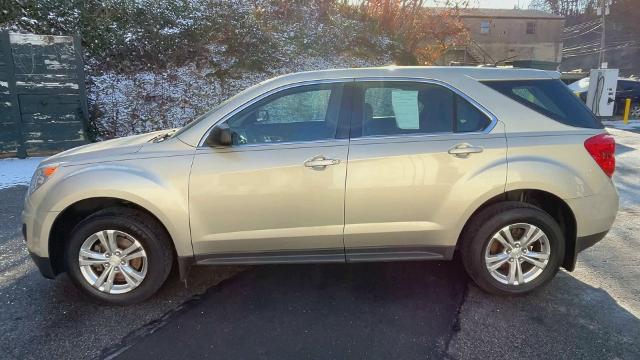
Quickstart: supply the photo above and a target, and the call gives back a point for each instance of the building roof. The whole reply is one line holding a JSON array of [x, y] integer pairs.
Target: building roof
[[508, 13]]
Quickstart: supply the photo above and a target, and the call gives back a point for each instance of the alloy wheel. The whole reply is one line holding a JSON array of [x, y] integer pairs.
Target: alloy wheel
[[113, 261], [517, 254]]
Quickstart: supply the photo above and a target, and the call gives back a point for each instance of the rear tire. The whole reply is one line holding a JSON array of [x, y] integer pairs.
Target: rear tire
[[114, 275], [500, 257]]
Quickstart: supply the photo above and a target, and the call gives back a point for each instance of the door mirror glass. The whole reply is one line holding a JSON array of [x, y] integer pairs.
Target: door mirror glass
[[221, 135]]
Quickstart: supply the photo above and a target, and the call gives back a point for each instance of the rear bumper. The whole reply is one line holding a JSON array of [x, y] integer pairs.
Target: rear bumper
[[594, 217], [596, 213], [585, 242], [582, 243]]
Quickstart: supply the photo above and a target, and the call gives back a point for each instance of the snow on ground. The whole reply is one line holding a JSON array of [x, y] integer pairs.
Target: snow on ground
[[619, 124], [17, 171], [627, 165]]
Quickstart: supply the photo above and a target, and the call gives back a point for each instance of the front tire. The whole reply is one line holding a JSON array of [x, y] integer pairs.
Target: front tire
[[512, 248], [119, 256]]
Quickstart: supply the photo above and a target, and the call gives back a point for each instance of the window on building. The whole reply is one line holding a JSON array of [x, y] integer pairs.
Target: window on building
[[485, 27], [531, 28]]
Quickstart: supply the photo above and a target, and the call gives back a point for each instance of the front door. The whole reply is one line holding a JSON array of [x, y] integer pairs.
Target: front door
[[277, 194], [421, 155]]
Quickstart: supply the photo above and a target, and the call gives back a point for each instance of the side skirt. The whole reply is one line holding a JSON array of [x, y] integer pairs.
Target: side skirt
[[400, 253], [273, 257], [387, 253]]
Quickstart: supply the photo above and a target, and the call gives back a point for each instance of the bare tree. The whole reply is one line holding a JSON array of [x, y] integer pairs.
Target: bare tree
[[423, 33], [564, 7]]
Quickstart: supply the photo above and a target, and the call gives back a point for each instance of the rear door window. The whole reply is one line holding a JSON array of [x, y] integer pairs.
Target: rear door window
[[399, 108], [551, 98]]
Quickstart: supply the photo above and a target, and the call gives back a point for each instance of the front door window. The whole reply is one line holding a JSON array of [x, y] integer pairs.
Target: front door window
[[305, 113]]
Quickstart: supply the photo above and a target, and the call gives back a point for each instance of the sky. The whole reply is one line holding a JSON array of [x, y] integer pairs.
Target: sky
[[500, 4]]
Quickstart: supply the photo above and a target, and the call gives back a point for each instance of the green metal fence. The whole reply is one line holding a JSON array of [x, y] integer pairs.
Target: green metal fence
[[43, 107]]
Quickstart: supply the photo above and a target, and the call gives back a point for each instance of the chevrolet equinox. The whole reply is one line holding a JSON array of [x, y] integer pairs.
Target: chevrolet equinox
[[504, 166]]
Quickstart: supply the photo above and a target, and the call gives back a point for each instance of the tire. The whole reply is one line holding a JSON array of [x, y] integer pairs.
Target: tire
[[129, 228], [480, 246]]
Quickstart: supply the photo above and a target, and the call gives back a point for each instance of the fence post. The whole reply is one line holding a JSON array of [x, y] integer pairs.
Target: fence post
[[5, 47], [82, 87]]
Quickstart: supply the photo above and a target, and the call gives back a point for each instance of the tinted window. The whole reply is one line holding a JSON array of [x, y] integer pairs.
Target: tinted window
[[551, 98], [301, 114], [468, 117], [395, 108]]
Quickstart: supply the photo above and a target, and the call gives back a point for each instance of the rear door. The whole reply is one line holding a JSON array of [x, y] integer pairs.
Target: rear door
[[420, 157]]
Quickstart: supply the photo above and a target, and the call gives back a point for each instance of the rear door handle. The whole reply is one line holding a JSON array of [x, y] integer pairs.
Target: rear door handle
[[320, 162], [464, 150]]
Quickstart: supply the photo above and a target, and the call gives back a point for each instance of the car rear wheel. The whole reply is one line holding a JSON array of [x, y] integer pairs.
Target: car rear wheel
[[119, 256], [512, 248]]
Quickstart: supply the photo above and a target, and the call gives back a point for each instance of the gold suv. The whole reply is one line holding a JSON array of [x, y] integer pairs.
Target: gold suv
[[506, 167]]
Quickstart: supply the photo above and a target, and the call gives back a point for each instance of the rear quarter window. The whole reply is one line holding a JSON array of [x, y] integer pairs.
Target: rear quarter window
[[551, 98]]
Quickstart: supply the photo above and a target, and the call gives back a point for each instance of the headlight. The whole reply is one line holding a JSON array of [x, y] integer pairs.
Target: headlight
[[41, 176]]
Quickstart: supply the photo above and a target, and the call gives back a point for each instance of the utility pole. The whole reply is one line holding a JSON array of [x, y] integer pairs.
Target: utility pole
[[603, 10]]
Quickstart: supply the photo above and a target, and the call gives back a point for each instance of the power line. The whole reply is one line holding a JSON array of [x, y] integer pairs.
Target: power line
[[627, 45], [583, 33], [581, 26]]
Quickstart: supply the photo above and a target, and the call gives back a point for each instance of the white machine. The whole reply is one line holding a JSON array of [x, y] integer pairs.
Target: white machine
[[602, 91]]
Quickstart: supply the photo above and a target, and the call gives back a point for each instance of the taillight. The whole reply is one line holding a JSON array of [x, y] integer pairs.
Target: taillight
[[602, 149]]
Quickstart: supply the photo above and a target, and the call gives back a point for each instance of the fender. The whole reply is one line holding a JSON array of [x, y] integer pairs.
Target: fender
[[542, 173], [159, 185]]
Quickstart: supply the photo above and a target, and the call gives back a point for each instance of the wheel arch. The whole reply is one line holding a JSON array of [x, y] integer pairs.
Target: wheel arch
[[74, 213], [548, 202]]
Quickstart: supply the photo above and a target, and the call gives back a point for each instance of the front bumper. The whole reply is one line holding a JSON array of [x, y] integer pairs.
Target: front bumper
[[43, 263]]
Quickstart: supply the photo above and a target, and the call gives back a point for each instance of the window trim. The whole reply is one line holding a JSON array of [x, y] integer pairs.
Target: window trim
[[350, 117], [291, 86], [492, 124]]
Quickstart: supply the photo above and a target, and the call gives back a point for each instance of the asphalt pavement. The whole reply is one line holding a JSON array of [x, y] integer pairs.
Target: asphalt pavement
[[385, 310]]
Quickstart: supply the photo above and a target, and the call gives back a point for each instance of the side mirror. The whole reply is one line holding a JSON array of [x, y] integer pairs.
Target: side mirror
[[221, 135]]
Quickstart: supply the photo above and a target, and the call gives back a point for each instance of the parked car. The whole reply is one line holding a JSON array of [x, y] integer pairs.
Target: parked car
[[504, 166], [628, 88]]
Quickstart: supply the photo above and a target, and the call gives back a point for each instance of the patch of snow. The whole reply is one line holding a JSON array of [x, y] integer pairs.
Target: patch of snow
[[15, 172], [619, 124]]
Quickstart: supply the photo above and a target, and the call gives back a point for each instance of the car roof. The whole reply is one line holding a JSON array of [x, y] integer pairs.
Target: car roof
[[439, 72]]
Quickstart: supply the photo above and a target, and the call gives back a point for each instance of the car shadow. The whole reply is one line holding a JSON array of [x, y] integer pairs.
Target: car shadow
[[567, 319], [376, 310], [384, 310]]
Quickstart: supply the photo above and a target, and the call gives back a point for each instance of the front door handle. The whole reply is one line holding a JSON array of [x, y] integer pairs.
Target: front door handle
[[320, 162], [464, 150]]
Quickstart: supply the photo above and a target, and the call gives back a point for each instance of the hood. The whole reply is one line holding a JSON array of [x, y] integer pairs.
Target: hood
[[104, 150]]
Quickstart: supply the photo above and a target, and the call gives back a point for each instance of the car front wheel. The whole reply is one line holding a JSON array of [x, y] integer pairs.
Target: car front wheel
[[512, 248], [119, 256]]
